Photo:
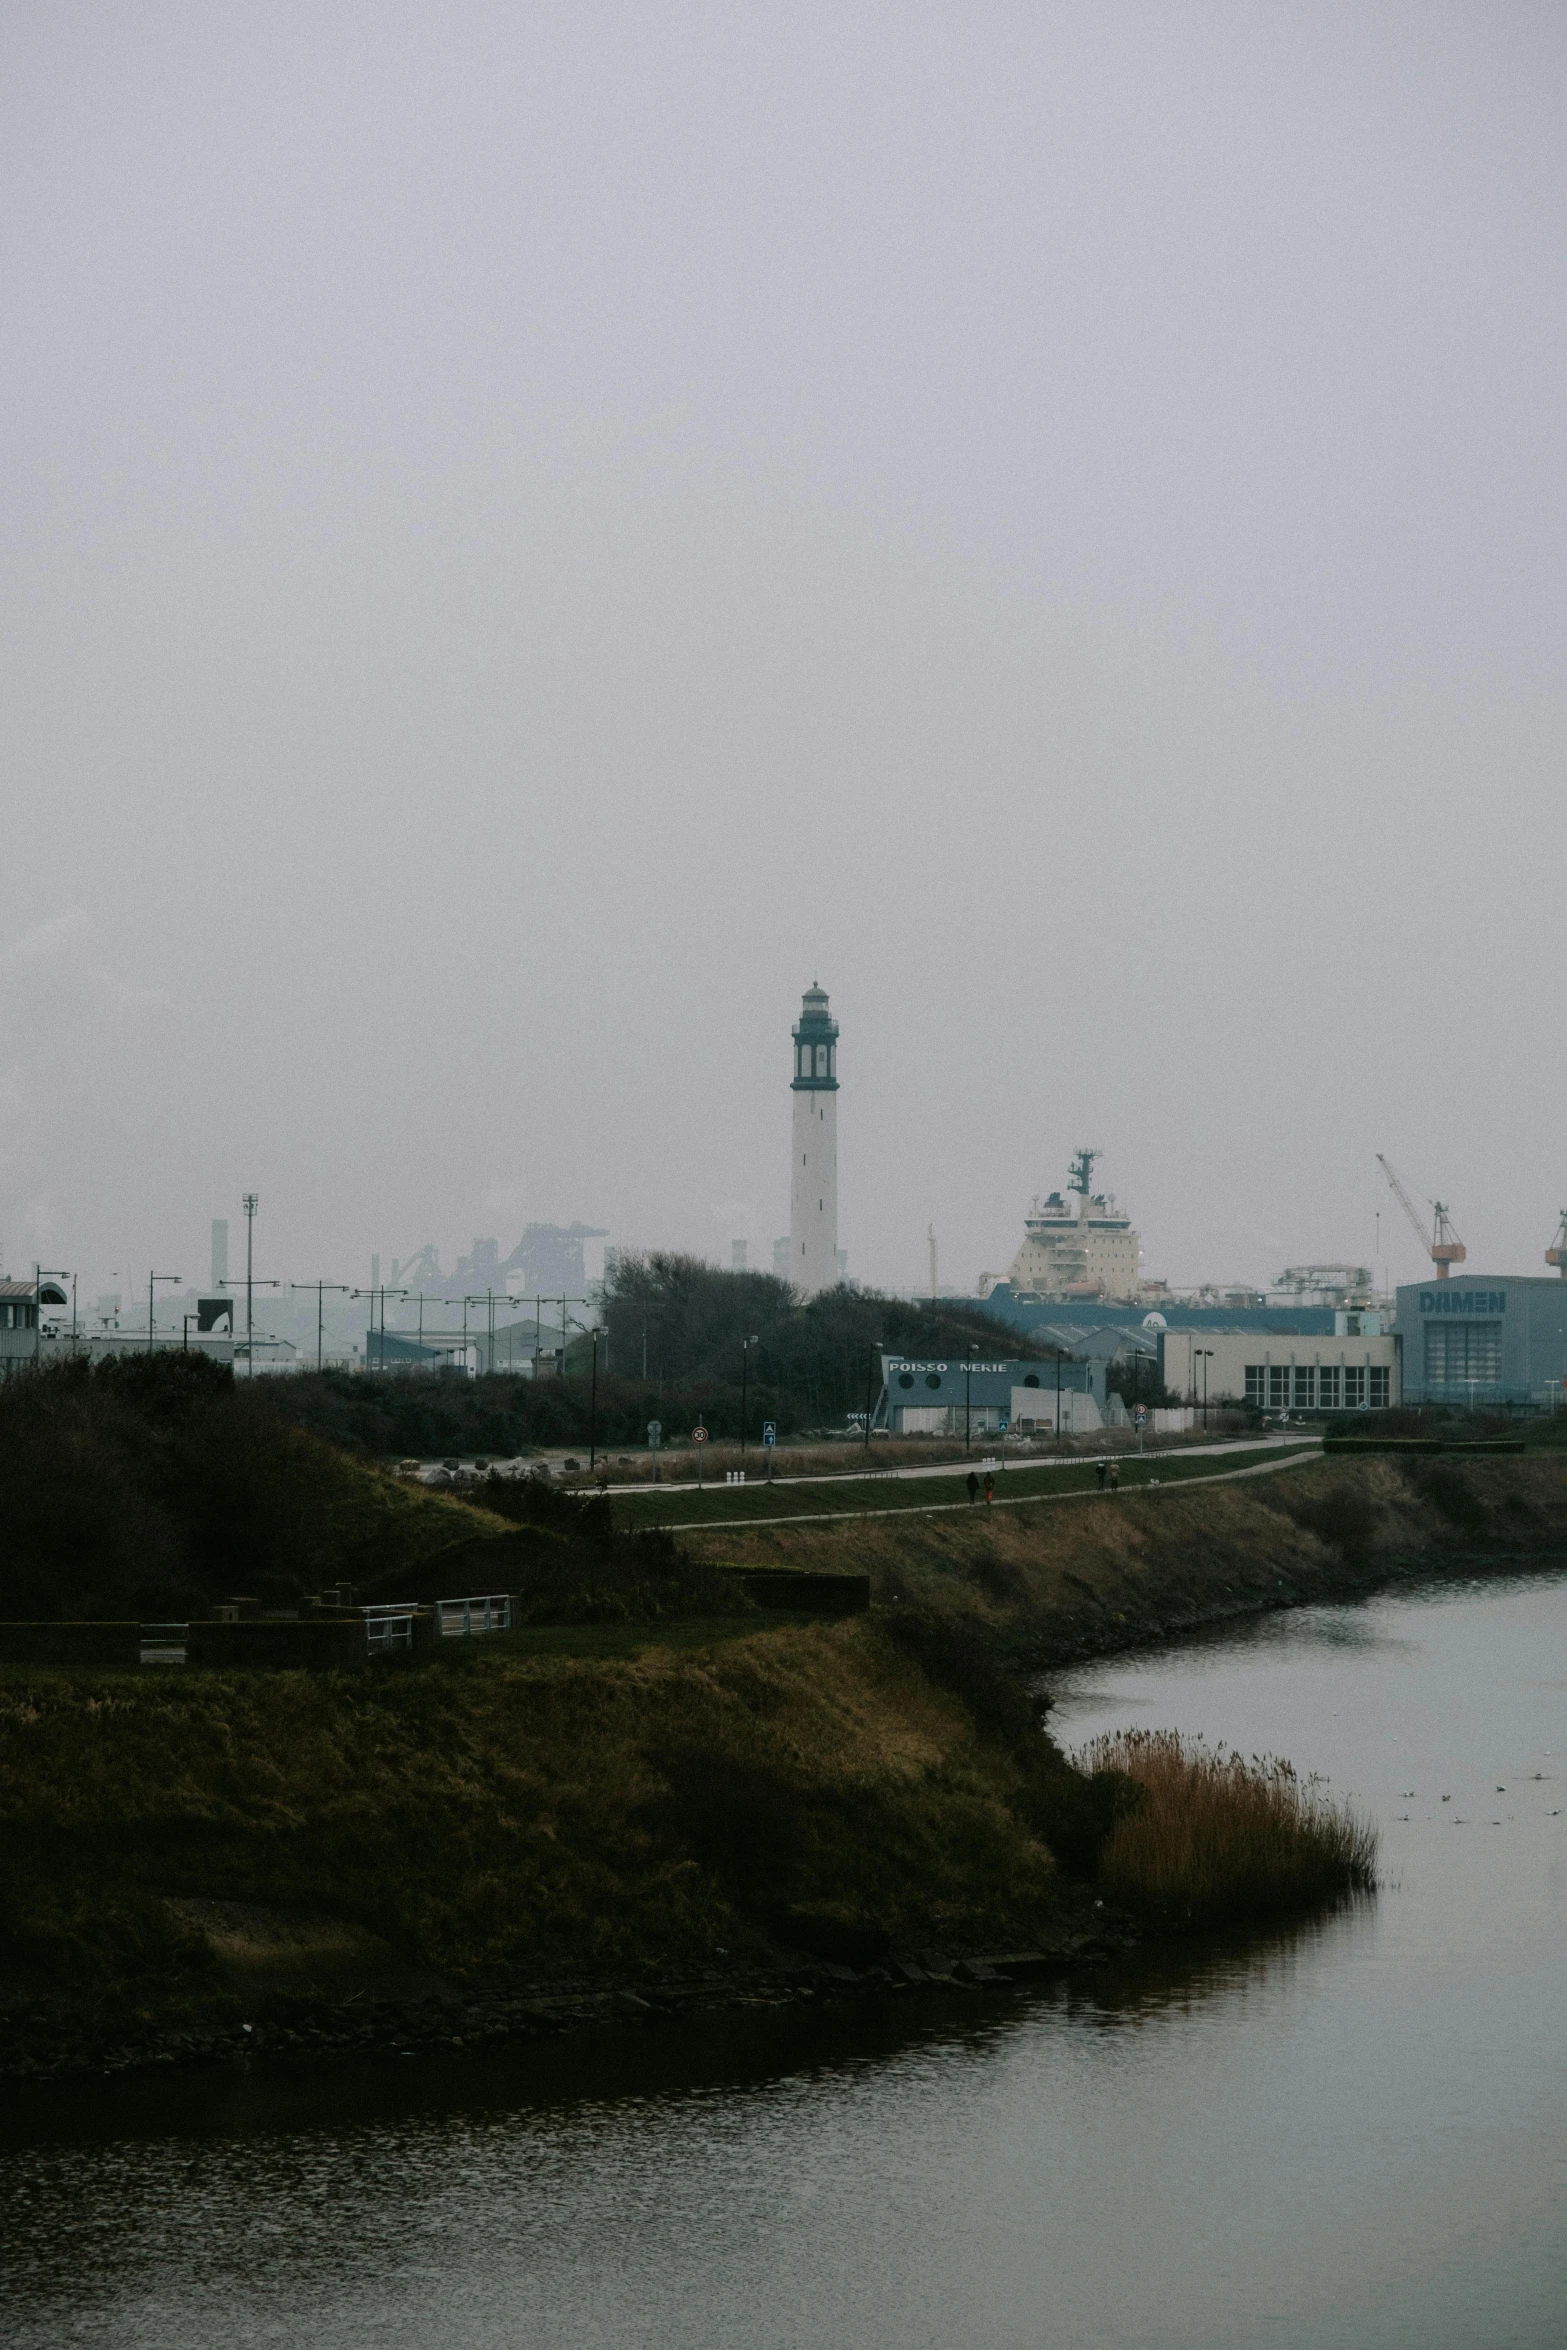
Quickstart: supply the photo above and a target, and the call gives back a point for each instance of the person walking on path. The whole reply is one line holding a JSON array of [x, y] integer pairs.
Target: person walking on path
[[990, 1488], [1099, 1472], [972, 1483], [1115, 1476]]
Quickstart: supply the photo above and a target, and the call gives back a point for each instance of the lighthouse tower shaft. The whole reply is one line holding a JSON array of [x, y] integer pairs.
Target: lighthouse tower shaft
[[813, 1188]]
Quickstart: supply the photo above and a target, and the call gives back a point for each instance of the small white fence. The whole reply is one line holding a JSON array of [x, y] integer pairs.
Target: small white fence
[[459, 1619], [390, 1627]]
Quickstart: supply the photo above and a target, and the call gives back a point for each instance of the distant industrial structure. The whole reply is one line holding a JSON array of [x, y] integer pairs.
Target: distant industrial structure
[[1080, 1245], [813, 1186], [548, 1259]]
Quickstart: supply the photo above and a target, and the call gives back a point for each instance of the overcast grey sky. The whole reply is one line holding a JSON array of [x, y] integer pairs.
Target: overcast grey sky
[[532, 531]]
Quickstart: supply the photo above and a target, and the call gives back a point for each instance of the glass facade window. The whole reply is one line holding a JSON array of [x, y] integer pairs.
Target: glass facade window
[[1463, 1354], [1328, 1387], [1379, 1387], [1305, 1394], [1354, 1387], [1256, 1383], [1278, 1387]]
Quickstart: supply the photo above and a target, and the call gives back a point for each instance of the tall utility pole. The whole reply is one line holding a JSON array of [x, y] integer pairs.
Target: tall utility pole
[[968, 1373], [151, 1278], [746, 1345], [251, 1205], [320, 1288], [593, 1405]]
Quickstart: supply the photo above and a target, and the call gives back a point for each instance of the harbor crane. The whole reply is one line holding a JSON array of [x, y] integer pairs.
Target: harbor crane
[[1444, 1247], [1556, 1254]]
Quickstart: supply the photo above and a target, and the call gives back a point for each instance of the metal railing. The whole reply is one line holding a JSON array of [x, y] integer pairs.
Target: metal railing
[[459, 1619], [389, 1627], [164, 1644]]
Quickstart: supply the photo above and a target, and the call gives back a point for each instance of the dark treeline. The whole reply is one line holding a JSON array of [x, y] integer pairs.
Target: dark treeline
[[152, 1486], [810, 1367], [812, 1362]]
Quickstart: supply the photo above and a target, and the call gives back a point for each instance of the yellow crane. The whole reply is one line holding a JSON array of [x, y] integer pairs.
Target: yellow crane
[[1444, 1247], [1556, 1254]]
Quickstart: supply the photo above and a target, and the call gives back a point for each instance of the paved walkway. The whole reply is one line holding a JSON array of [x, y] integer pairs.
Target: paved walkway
[[1003, 1501], [979, 1459]]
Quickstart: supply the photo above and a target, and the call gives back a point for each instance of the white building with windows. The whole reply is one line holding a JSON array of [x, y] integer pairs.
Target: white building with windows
[[813, 1185], [1352, 1371]]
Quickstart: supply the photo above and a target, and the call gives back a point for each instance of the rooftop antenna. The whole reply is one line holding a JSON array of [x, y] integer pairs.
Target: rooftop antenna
[[932, 1238], [1082, 1171]]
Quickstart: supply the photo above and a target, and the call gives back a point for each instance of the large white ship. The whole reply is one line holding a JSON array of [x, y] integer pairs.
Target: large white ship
[[1077, 1245]]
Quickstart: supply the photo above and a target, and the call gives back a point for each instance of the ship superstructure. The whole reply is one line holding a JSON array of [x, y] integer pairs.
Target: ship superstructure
[[1078, 1244]]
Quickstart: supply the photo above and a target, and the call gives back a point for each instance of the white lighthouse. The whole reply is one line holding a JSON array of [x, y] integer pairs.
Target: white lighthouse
[[813, 1188]]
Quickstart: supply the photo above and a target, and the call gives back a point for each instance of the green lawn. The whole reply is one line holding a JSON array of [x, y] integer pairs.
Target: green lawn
[[723, 1505]]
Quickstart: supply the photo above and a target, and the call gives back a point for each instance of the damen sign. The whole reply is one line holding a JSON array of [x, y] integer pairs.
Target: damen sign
[[1450, 1299]]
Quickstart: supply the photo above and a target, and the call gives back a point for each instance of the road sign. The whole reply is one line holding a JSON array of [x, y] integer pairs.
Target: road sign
[[699, 1435], [770, 1427], [655, 1434], [1139, 1415]]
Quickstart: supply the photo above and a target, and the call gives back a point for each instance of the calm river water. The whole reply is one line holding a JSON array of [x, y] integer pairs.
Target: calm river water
[[1351, 2137]]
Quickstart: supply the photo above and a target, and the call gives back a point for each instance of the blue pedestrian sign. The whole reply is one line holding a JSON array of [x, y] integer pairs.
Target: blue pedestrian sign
[[769, 1431]]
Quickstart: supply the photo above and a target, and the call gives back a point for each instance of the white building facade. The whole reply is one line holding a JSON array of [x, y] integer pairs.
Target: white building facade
[[1353, 1371], [813, 1185]]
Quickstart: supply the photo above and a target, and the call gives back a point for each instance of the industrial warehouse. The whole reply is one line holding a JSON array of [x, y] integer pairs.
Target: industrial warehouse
[[1356, 1369], [1491, 1339]]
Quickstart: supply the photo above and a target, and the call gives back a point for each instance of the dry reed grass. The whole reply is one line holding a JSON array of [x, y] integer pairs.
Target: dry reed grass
[[1220, 1835]]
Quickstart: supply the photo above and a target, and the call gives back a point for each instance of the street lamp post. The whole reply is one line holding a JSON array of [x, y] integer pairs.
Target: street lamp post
[[593, 1401], [252, 1202], [968, 1375], [746, 1345], [320, 1288], [870, 1391], [1205, 1353], [151, 1278]]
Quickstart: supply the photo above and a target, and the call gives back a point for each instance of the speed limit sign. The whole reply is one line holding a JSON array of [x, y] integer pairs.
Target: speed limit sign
[[699, 1435]]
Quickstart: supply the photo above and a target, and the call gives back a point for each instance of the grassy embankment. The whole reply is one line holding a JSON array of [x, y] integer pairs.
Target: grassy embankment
[[189, 1846], [872, 1783], [501, 1812], [1063, 1580]]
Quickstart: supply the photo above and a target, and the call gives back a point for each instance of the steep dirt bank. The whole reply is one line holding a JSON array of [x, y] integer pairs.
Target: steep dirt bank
[[1075, 1578]]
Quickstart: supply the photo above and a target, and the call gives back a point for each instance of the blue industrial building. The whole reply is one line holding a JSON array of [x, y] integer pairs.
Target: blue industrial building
[[1487, 1338]]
